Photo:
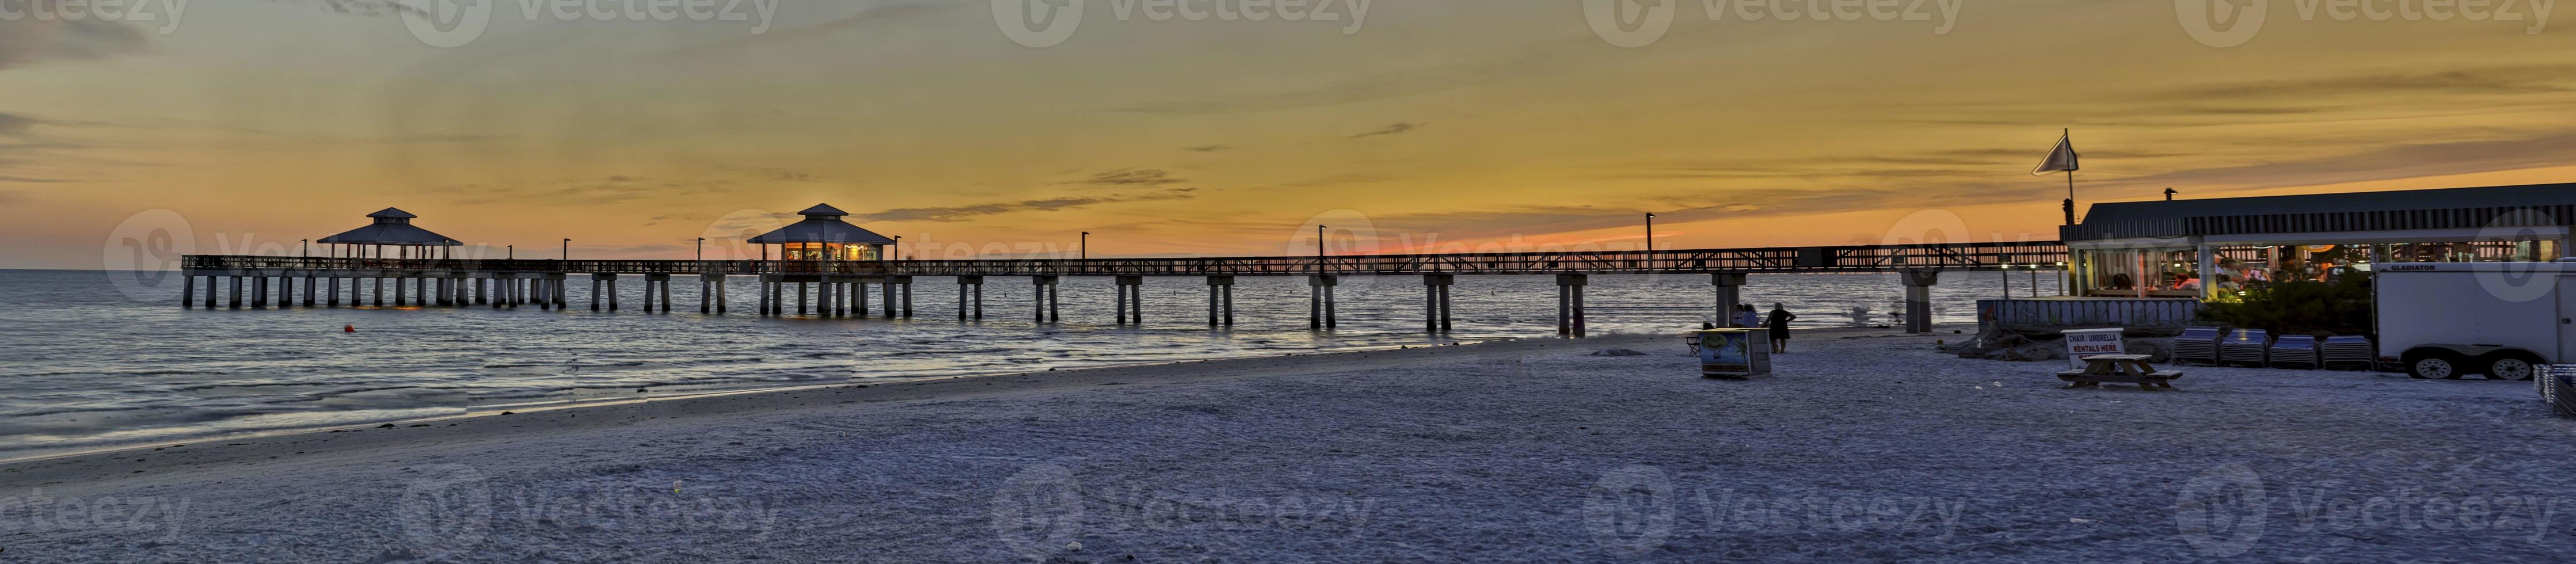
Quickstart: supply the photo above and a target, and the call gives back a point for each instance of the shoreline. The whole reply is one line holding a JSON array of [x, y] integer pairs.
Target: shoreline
[[489, 424]]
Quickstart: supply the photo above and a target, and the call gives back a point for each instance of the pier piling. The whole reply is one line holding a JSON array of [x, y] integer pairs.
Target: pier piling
[[1319, 304], [1435, 301], [1220, 301], [1918, 299], [1569, 304]]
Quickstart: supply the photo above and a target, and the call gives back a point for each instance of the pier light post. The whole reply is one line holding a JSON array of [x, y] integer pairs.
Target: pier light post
[[1319, 250], [1086, 245], [510, 252], [308, 248], [897, 254], [567, 249], [702, 249], [1650, 232]]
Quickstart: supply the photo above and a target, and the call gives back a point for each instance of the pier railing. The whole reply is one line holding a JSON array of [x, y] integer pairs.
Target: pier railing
[[1842, 259]]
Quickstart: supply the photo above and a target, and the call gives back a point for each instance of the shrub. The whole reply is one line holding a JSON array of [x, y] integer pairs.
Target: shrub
[[2302, 307]]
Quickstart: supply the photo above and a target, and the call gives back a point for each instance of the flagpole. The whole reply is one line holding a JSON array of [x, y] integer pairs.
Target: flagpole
[[2067, 136]]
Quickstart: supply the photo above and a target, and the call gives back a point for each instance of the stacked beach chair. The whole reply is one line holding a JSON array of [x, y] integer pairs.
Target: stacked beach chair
[[2245, 346], [2295, 351], [2197, 345], [2350, 353]]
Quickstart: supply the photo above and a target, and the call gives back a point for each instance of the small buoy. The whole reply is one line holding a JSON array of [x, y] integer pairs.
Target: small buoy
[[349, 328]]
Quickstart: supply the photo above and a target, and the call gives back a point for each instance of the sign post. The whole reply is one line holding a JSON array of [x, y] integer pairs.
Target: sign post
[[2082, 343]]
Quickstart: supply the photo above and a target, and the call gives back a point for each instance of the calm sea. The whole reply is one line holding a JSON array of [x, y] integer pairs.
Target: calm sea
[[94, 359]]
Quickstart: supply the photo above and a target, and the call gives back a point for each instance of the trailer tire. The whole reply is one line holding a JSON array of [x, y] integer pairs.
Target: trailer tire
[[2433, 365], [2509, 365]]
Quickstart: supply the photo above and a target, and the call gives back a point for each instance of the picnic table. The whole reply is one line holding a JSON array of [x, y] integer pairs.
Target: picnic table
[[2119, 369]]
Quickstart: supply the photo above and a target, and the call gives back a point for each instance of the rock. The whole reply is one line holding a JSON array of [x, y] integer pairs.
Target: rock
[[2035, 351], [1617, 352]]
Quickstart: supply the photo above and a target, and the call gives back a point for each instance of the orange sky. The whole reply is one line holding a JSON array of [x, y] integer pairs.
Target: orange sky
[[1444, 125]]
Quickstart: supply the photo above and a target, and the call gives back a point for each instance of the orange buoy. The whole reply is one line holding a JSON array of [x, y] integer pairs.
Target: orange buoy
[[348, 328]]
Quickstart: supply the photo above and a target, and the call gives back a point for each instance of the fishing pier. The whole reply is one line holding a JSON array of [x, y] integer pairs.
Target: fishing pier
[[828, 268]]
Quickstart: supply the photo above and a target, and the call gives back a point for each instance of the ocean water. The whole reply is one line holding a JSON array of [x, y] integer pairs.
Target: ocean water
[[92, 359]]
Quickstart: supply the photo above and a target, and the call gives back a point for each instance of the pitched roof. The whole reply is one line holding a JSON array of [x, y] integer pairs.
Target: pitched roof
[[823, 209], [2443, 208], [392, 227], [391, 234], [822, 224]]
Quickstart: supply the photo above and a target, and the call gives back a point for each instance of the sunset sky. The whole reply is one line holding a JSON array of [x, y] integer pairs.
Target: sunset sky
[[1441, 125]]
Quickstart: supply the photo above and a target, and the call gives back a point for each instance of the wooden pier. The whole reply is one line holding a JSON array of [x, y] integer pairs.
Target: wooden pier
[[842, 288]]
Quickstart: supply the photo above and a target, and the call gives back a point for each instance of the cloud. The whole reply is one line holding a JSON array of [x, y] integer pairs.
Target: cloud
[[963, 213], [1399, 128], [12, 196], [610, 190], [15, 125], [1208, 148], [20, 179], [1131, 177]]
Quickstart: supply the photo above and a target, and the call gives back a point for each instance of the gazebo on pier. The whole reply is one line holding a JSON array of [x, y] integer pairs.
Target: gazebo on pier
[[823, 236], [392, 230]]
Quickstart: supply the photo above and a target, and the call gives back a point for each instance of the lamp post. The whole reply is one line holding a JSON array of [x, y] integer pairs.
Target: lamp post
[[512, 252], [567, 249], [1086, 245], [702, 249], [308, 248], [1650, 232], [1319, 250], [898, 249]]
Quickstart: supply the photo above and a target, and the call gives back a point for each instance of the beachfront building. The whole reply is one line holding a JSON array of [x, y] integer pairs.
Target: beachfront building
[[2212, 249], [391, 236], [824, 236]]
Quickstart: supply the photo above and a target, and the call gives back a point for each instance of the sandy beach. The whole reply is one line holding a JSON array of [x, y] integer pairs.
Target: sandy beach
[[1869, 445]]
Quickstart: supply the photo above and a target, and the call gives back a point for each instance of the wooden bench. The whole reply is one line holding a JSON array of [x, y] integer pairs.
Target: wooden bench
[[2119, 369]]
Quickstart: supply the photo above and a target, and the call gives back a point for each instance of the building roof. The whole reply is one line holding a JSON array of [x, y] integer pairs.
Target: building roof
[[822, 224], [2445, 208], [392, 227]]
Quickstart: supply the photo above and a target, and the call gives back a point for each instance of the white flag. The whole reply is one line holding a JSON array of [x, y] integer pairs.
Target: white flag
[[2060, 159]]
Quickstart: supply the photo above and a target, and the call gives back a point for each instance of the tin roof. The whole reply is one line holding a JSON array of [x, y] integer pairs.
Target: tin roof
[[2444, 208], [392, 227], [822, 224]]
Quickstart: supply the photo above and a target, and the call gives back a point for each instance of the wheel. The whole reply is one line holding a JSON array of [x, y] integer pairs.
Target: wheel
[[2508, 366], [2430, 365]]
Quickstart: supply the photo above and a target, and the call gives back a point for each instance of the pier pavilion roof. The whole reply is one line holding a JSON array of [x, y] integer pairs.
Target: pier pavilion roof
[[2456, 209], [392, 227], [822, 224]]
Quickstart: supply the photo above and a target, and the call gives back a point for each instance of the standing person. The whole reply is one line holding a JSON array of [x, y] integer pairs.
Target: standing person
[[1780, 318], [1746, 318]]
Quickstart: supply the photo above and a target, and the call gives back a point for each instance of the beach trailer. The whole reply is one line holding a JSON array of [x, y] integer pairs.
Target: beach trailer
[[2500, 319]]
